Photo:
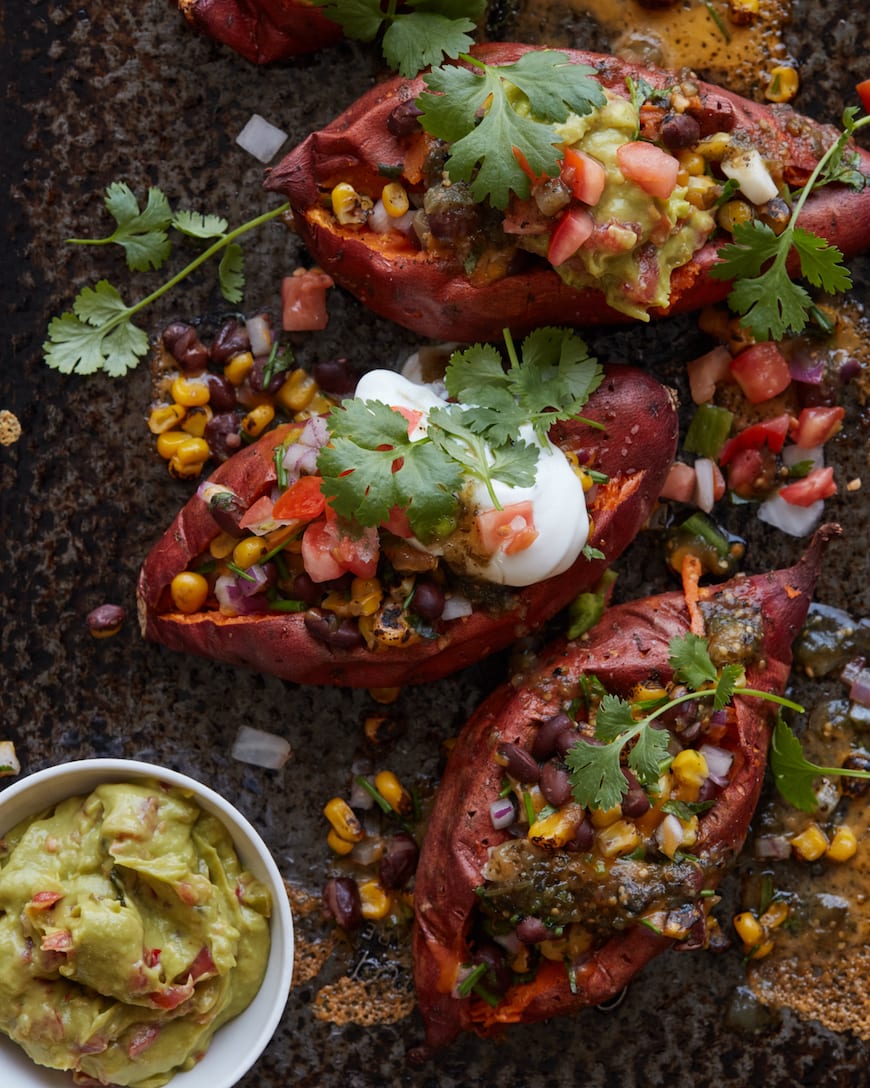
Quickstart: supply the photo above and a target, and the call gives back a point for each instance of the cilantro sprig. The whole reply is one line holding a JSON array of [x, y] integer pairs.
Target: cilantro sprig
[[98, 332], [411, 39], [499, 119], [371, 465], [596, 773], [794, 775], [770, 302]]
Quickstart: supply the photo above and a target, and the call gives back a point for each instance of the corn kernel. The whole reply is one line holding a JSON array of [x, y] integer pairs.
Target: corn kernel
[[349, 207], [702, 192], [188, 591], [249, 551], [189, 392], [554, 948], [337, 844], [164, 417], [764, 949], [168, 442], [184, 470], [749, 929], [643, 693], [393, 792], [375, 903], [554, 831], [365, 596], [238, 368], [296, 391], [843, 844], [395, 199], [714, 147], [618, 838], [222, 545], [732, 214], [385, 696], [783, 84], [319, 405], [810, 844], [691, 162], [343, 820], [193, 451], [604, 817], [258, 419], [743, 12], [775, 914], [196, 421], [689, 767]]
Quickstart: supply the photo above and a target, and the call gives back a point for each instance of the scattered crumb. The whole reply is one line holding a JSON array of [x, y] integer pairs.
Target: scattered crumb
[[854, 485], [365, 1002], [9, 764], [10, 428]]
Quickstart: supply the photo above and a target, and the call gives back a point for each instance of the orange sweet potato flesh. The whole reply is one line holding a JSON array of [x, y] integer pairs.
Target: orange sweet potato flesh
[[263, 30], [432, 294], [635, 450], [628, 646]]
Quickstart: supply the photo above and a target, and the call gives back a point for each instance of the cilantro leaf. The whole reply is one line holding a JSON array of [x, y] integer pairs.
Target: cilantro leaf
[[820, 262], [726, 685], [96, 336], [491, 126], [359, 19], [614, 717], [140, 233], [690, 660], [596, 774], [198, 225], [650, 751], [794, 775], [231, 273]]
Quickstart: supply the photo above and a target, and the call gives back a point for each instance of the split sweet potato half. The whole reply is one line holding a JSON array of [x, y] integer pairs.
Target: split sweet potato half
[[475, 271], [263, 30], [616, 910], [633, 450]]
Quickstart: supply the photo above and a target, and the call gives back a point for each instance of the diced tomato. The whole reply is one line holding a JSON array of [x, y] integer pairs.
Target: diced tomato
[[761, 371], [303, 300], [818, 484], [318, 540], [259, 515], [151, 957], [397, 523], [510, 530], [680, 483], [863, 89], [303, 499], [816, 425], [523, 164], [142, 1038], [359, 554], [412, 415], [769, 432], [750, 472], [571, 232], [45, 900], [705, 371], [170, 997], [653, 169], [202, 965], [584, 176], [59, 940]]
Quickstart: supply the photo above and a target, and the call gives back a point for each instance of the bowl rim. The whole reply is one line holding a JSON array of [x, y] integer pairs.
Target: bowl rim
[[267, 1005]]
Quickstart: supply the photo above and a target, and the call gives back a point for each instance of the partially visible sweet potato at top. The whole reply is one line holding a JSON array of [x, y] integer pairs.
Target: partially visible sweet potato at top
[[263, 30]]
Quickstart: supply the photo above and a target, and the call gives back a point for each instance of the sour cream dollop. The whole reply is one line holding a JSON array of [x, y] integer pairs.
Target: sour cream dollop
[[558, 504]]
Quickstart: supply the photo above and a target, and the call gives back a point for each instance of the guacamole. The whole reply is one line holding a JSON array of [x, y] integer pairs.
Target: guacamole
[[128, 934]]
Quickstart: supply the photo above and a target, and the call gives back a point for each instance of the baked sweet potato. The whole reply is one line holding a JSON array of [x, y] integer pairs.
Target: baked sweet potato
[[461, 268], [634, 451], [615, 912], [263, 30]]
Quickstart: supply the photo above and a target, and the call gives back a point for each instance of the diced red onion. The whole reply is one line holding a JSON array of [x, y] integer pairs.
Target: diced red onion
[[859, 692], [790, 518], [260, 335], [849, 370], [774, 847], [260, 138], [510, 942], [804, 366], [260, 748], [502, 813], [234, 601], [455, 607], [719, 762], [260, 576]]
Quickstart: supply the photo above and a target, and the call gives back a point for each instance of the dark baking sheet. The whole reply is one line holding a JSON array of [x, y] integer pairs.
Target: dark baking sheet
[[100, 92]]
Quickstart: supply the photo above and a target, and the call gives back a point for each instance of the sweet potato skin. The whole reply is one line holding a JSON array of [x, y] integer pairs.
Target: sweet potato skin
[[433, 297], [635, 449], [263, 31], [628, 645]]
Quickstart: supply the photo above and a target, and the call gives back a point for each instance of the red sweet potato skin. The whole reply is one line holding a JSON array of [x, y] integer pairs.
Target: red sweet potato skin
[[635, 449], [263, 30], [432, 295], [628, 646]]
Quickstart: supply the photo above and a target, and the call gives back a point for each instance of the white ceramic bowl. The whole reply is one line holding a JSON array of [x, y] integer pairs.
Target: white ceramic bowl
[[235, 1046]]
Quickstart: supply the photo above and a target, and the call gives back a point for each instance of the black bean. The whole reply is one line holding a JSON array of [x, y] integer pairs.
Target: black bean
[[328, 628], [222, 435], [634, 803], [342, 901], [857, 760], [257, 375], [497, 979], [335, 376], [105, 619], [221, 395], [555, 783], [183, 343], [451, 212], [403, 120], [544, 744], [680, 130], [532, 930], [227, 510], [428, 599], [583, 836], [519, 763], [714, 114], [305, 589], [231, 340], [399, 861]]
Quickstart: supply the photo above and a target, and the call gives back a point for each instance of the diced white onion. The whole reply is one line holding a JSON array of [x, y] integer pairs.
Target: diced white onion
[[260, 748], [455, 607], [752, 176], [775, 847], [260, 138], [379, 220], [789, 518], [718, 761], [793, 455], [859, 692], [260, 335], [9, 764], [705, 482]]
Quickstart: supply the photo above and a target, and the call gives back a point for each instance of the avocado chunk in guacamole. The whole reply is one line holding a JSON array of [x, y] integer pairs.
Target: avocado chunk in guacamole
[[129, 933]]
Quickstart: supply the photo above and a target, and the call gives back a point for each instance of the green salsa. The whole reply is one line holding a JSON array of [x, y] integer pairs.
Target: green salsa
[[129, 933]]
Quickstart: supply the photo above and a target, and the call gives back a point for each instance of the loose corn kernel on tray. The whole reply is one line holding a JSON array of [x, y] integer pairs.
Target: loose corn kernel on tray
[[100, 92]]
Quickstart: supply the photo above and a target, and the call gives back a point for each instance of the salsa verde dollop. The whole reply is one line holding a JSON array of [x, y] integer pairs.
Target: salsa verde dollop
[[129, 932]]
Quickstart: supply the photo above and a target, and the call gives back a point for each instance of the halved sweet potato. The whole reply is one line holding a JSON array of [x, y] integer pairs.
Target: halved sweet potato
[[263, 30], [629, 646], [431, 292], [635, 450]]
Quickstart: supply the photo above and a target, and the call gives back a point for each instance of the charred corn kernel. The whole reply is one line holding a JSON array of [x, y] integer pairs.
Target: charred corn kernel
[[388, 626], [222, 545], [385, 696], [775, 914], [748, 928], [258, 419], [702, 192], [642, 693], [843, 844], [249, 551], [343, 820], [365, 596], [196, 421], [193, 451], [689, 768], [184, 470], [553, 831], [810, 844], [297, 391], [337, 844], [618, 838], [188, 591], [374, 901], [692, 163], [733, 213], [318, 405], [743, 12], [189, 392], [169, 441], [783, 84], [713, 148], [395, 199], [393, 792], [349, 207], [165, 417], [603, 817], [238, 368]]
